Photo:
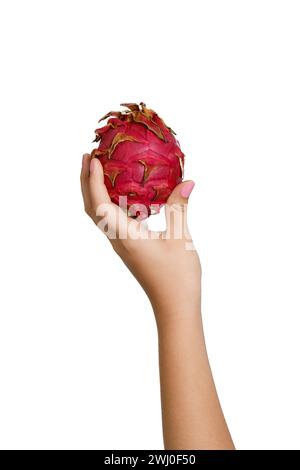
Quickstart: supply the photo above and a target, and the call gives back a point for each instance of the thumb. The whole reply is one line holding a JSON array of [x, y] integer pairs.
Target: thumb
[[181, 193], [176, 210]]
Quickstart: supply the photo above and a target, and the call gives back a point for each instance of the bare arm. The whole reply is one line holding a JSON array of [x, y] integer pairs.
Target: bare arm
[[168, 269], [191, 412]]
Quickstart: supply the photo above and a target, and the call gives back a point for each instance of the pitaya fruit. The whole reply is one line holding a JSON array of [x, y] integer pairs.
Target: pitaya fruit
[[141, 158]]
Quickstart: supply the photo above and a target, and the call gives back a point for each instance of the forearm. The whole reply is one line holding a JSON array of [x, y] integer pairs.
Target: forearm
[[191, 412]]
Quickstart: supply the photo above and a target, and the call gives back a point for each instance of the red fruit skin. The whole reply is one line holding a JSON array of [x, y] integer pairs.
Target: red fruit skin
[[141, 160]]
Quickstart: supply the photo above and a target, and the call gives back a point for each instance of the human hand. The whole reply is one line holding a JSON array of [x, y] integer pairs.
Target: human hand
[[164, 263]]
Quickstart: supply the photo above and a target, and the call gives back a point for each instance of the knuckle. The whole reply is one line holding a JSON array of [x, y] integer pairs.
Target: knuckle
[[89, 211], [179, 207]]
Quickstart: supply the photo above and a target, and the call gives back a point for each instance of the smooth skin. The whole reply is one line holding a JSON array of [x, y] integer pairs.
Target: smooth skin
[[169, 271]]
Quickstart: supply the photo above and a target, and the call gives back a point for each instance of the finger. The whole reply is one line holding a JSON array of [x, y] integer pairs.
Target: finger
[[97, 188], [85, 168], [84, 181], [176, 210], [111, 219]]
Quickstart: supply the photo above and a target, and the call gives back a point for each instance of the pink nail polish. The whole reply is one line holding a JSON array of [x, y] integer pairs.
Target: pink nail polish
[[187, 189]]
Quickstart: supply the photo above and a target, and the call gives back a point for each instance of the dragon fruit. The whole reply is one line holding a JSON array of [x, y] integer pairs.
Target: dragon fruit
[[141, 158]]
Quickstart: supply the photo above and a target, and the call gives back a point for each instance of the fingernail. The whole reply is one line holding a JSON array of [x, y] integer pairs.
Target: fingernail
[[187, 189]]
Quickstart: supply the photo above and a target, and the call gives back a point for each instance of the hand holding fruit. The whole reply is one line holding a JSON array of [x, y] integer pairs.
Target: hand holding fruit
[[140, 159], [163, 263]]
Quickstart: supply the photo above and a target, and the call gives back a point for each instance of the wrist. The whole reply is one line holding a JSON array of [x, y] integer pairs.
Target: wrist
[[177, 314]]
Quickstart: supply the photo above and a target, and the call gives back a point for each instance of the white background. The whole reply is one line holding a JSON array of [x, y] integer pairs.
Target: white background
[[78, 347]]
